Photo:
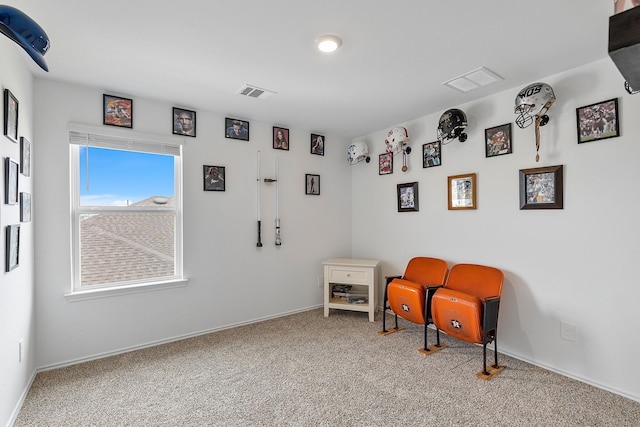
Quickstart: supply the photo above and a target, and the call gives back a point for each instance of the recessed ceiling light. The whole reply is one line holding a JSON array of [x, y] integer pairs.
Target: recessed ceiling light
[[328, 43]]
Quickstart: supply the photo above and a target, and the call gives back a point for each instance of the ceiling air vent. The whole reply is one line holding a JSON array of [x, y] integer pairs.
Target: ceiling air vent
[[255, 92]]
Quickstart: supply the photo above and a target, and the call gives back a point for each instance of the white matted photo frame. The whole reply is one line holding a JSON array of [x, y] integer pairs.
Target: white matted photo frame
[[184, 122], [498, 140], [385, 164], [10, 181], [541, 188], [462, 191], [25, 156], [312, 184], [431, 154], [236, 129], [117, 111], [407, 195], [10, 116], [598, 121], [214, 178], [12, 248], [317, 144]]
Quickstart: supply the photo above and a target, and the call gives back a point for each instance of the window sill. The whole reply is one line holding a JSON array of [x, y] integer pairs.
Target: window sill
[[124, 290]]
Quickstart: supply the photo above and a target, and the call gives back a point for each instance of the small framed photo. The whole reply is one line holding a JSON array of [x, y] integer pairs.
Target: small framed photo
[[117, 111], [498, 140], [598, 121], [312, 184], [541, 188], [462, 191], [385, 164], [408, 197], [10, 182], [280, 138], [317, 144], [236, 129], [214, 178], [184, 122], [431, 154], [10, 116], [12, 247], [25, 156], [25, 207]]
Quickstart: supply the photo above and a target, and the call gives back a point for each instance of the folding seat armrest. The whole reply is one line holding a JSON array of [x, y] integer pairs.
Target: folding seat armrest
[[491, 307], [430, 291]]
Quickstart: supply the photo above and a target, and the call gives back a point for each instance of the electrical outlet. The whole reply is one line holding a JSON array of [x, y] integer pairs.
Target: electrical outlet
[[320, 281], [568, 331], [20, 346]]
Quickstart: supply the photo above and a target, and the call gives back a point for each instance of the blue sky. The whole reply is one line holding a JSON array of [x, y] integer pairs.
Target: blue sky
[[117, 176]]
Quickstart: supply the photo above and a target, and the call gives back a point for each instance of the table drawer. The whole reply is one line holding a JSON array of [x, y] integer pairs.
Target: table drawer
[[350, 275]]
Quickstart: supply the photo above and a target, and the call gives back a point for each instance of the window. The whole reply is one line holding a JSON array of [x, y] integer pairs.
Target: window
[[126, 211]]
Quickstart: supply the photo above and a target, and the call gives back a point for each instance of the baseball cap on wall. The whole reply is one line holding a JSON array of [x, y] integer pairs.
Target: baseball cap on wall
[[26, 32]]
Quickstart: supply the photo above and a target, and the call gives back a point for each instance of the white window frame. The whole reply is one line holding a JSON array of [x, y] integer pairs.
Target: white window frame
[[86, 135]]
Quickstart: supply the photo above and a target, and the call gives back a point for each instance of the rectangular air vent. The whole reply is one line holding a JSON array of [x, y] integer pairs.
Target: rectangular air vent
[[255, 92]]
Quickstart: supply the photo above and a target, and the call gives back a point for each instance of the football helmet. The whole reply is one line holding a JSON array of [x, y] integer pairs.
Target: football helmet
[[396, 139], [533, 101], [452, 125], [357, 152]]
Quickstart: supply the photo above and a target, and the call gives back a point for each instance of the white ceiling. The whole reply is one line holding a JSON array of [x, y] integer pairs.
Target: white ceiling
[[197, 54]]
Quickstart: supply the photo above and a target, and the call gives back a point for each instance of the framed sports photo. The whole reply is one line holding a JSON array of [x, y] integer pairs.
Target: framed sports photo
[[541, 188], [25, 156], [280, 138], [312, 184], [10, 182], [213, 178], [184, 122], [408, 197], [25, 207], [317, 144], [10, 116], [236, 129], [12, 247], [431, 154], [117, 111], [462, 191], [498, 140], [598, 121], [385, 164]]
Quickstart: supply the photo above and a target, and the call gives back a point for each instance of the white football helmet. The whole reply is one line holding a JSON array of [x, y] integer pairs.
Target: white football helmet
[[396, 139], [357, 152], [533, 101], [451, 125]]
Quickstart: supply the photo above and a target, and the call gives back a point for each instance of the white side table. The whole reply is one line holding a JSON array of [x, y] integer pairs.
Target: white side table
[[361, 274]]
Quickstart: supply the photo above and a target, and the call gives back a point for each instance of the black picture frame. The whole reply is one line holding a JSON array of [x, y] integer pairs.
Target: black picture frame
[[214, 178], [598, 121], [117, 111], [12, 247], [498, 140], [25, 156], [407, 195], [10, 116], [542, 188], [431, 154], [280, 138], [25, 207], [385, 163], [236, 129], [184, 122], [10, 181], [317, 144], [312, 184]]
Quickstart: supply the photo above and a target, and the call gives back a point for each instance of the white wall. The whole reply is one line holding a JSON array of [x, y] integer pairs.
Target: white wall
[[16, 286], [231, 281], [575, 265]]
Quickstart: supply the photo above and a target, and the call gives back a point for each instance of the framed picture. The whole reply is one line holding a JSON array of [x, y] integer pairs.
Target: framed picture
[[25, 156], [25, 207], [213, 177], [236, 129], [317, 144], [541, 188], [598, 121], [462, 191], [385, 164], [431, 154], [498, 140], [117, 111], [12, 247], [10, 116], [312, 184], [408, 197], [10, 181], [184, 122], [280, 138]]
